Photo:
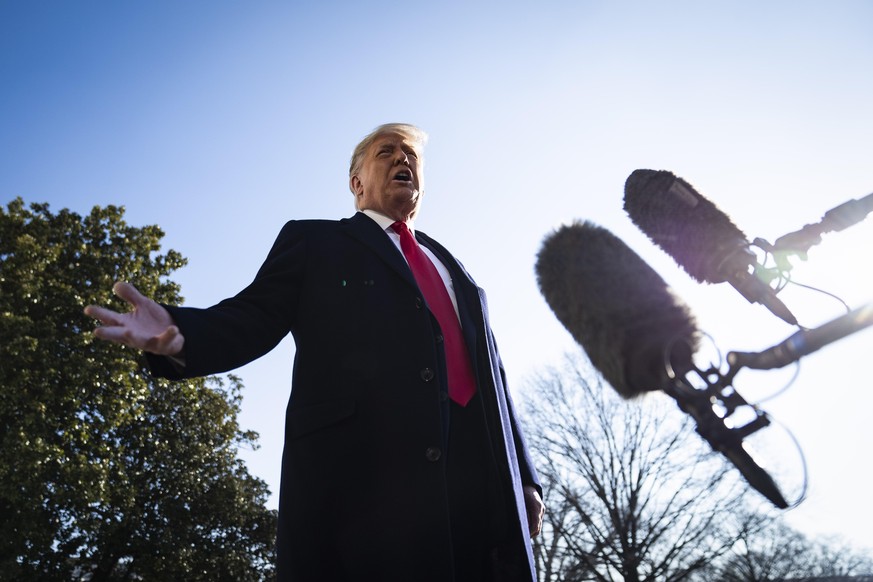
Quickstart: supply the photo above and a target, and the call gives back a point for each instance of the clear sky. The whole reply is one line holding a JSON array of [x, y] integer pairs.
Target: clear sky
[[220, 120]]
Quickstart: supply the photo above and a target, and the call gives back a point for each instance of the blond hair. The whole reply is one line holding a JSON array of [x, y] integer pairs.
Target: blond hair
[[414, 134]]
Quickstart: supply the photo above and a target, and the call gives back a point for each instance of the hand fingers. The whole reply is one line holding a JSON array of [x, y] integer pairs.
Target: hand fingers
[[129, 293], [536, 510], [536, 524], [112, 333], [103, 315], [168, 343]]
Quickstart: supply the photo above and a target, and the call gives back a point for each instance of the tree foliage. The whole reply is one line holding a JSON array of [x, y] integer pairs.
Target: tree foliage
[[632, 493], [105, 472]]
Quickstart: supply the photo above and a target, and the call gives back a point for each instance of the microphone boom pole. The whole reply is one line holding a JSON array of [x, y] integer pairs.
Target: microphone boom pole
[[835, 219], [804, 342]]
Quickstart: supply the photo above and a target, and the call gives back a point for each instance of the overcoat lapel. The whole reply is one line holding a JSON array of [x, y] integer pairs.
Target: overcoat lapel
[[367, 232], [363, 229]]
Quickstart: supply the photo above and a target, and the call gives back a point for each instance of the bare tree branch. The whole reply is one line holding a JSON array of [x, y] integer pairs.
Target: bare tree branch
[[633, 493]]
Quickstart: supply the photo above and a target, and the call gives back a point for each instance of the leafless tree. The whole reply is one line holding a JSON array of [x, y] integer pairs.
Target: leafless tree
[[632, 492], [779, 552]]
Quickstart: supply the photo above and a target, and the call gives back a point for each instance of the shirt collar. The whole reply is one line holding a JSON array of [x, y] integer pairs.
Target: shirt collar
[[385, 222]]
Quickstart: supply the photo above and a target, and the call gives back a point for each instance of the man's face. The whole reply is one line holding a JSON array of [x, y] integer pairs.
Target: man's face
[[389, 178]]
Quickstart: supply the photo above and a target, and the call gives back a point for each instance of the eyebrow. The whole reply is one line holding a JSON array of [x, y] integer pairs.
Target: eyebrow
[[392, 145]]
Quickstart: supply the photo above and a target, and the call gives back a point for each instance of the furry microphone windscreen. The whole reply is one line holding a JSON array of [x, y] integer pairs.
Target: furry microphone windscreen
[[687, 226], [615, 306]]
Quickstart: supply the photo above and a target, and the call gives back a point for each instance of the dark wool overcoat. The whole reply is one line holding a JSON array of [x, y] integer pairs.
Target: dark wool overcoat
[[363, 491]]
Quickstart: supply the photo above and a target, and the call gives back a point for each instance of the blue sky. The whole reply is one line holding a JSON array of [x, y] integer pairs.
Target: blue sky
[[221, 120]]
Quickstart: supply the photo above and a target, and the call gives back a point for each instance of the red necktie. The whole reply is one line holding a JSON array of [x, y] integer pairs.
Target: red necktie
[[462, 384]]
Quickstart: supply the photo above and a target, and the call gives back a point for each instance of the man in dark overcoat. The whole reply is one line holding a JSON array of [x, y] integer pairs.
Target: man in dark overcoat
[[387, 474]]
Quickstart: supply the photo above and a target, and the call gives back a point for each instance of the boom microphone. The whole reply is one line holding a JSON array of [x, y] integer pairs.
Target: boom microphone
[[701, 238], [615, 306], [637, 333]]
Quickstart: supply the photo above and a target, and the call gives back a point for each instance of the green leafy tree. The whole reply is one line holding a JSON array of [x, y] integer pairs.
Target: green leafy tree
[[105, 472]]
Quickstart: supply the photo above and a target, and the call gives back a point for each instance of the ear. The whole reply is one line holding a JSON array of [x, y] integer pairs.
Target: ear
[[356, 186]]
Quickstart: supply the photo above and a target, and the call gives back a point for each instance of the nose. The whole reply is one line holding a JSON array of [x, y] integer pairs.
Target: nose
[[401, 158]]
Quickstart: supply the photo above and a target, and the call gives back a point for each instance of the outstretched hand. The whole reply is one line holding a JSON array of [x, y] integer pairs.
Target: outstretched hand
[[148, 326]]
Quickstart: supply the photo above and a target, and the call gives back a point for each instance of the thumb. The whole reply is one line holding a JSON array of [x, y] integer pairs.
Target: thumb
[[168, 343]]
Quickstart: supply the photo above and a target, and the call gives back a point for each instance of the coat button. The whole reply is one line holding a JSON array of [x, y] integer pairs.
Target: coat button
[[427, 374], [419, 303], [439, 338], [443, 396], [433, 454]]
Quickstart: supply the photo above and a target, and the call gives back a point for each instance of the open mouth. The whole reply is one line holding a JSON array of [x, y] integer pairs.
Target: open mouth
[[403, 176]]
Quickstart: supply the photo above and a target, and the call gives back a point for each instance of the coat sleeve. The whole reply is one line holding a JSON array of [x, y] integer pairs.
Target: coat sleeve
[[244, 327]]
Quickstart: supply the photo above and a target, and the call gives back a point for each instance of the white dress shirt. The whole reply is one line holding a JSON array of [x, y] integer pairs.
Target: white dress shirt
[[386, 222]]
